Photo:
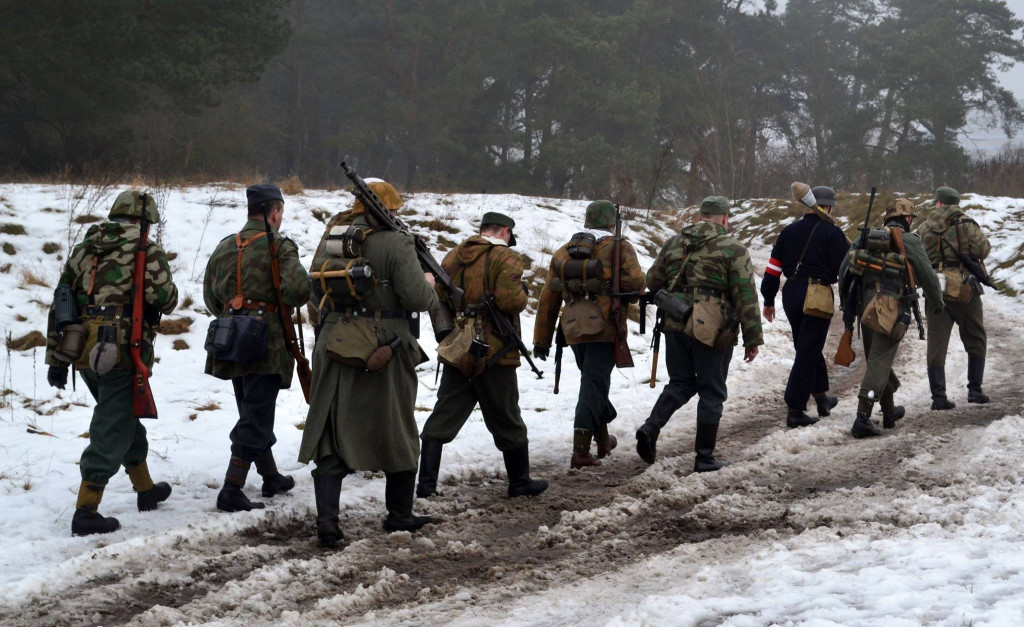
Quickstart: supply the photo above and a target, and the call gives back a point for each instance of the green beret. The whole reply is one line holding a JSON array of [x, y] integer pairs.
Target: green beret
[[715, 206], [129, 205], [947, 196], [493, 218], [600, 215]]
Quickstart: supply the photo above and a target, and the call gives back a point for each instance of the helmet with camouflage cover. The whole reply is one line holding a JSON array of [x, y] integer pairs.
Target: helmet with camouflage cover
[[128, 204], [385, 191], [902, 207]]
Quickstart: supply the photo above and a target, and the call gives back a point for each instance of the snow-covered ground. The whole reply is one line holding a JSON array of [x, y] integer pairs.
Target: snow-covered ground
[[869, 552]]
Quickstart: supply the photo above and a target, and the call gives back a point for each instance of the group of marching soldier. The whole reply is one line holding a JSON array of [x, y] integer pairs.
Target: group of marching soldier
[[371, 280]]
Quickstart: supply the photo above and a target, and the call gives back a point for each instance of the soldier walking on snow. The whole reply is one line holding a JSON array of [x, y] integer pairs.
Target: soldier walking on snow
[[946, 232], [239, 285], [485, 266], [891, 264], [808, 252], [710, 272], [97, 283], [580, 275]]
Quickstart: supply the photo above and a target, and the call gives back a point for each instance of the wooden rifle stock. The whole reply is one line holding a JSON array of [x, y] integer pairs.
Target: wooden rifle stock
[[623, 358], [143, 404], [844, 354], [284, 313]]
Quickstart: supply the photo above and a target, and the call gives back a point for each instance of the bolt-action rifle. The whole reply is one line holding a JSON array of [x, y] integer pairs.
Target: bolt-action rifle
[[507, 331], [854, 287], [623, 358], [911, 296], [559, 345], [143, 404]]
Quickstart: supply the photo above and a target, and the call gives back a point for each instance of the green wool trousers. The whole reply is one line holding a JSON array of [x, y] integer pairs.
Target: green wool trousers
[[496, 390], [693, 368], [116, 437], [596, 360], [879, 355], [971, 320]]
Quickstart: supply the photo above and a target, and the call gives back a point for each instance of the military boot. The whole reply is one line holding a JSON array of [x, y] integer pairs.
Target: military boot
[[430, 467], [891, 412], [398, 498], [517, 465], [799, 418], [231, 497], [87, 520], [707, 436], [647, 443], [825, 403], [581, 449], [149, 493], [605, 441], [937, 383], [327, 491], [975, 374], [273, 481], [862, 426]]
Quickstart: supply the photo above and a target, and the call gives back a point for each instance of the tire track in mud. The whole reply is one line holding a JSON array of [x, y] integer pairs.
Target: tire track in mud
[[489, 547]]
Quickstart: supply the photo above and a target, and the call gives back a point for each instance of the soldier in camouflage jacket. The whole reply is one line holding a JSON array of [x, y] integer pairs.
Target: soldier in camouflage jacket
[[595, 354], [484, 265], [256, 385], [100, 273], [706, 268], [946, 231]]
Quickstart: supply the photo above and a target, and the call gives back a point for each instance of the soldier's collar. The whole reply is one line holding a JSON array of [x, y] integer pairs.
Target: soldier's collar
[[494, 240], [257, 225]]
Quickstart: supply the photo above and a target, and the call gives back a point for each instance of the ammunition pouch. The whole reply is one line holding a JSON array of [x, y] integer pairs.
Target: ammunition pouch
[[729, 336], [239, 339], [581, 245]]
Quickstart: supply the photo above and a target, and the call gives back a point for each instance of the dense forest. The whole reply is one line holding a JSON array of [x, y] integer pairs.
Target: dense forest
[[649, 102]]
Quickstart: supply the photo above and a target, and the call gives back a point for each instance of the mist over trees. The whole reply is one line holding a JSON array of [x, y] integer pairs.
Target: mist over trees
[[647, 102]]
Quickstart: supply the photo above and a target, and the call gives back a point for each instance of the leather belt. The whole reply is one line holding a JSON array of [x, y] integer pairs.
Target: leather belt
[[110, 311], [381, 314], [251, 306]]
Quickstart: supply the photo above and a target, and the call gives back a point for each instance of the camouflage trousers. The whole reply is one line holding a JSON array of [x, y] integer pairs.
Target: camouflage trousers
[[879, 354], [116, 437], [497, 393], [969, 317], [596, 360], [693, 368]]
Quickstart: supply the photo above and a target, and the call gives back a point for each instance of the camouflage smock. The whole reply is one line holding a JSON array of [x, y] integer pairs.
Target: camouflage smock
[[717, 262], [219, 287], [631, 279], [373, 422], [114, 243], [939, 234], [465, 265]]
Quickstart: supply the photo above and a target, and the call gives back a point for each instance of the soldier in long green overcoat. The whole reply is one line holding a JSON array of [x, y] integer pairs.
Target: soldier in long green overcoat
[[239, 283], [100, 273], [360, 420]]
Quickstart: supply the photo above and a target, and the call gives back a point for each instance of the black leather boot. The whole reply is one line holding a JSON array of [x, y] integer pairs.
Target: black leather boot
[[798, 418], [975, 375], [891, 412], [273, 481], [825, 403], [707, 436], [87, 521], [398, 498], [862, 426], [231, 498], [937, 383], [149, 494], [647, 443], [430, 467], [327, 490], [517, 465]]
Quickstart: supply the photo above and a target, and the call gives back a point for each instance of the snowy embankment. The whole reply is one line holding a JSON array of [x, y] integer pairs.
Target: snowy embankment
[[952, 553]]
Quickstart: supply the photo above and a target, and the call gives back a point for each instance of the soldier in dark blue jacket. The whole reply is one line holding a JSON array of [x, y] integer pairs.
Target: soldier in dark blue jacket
[[807, 251]]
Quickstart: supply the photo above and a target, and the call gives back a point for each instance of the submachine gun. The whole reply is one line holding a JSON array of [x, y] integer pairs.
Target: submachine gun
[[667, 305]]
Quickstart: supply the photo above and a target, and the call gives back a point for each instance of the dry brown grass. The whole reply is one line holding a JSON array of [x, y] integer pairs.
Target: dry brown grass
[[175, 326], [5, 269], [20, 318], [187, 302], [179, 345], [31, 278], [208, 406], [12, 229], [86, 218], [292, 186], [10, 249], [30, 340], [51, 247]]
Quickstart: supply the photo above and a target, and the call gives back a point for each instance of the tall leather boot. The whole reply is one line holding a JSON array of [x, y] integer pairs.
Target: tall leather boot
[[647, 443], [231, 497], [937, 383], [862, 427], [581, 456], [891, 412], [398, 498], [149, 493], [517, 465], [975, 374], [707, 436], [798, 418], [825, 403], [327, 490], [87, 520], [605, 441], [273, 481], [430, 467]]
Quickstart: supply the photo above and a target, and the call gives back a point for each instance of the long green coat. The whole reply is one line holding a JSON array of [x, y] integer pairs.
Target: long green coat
[[373, 423]]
